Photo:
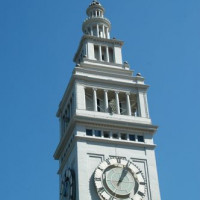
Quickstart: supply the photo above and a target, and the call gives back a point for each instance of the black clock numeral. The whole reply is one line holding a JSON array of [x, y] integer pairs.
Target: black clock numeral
[[100, 169], [97, 179], [139, 172], [128, 164], [141, 194], [118, 159], [142, 183], [101, 190], [108, 162]]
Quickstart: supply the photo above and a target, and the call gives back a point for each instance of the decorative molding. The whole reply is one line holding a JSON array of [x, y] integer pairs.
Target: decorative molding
[[110, 141]]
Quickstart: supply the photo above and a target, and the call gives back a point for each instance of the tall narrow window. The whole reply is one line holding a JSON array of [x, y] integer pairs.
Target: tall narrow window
[[94, 28], [100, 31], [111, 55], [98, 105], [103, 53], [120, 106], [106, 33], [89, 30], [96, 52], [89, 99]]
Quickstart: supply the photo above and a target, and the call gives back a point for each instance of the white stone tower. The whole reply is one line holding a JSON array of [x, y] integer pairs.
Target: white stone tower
[[106, 149]]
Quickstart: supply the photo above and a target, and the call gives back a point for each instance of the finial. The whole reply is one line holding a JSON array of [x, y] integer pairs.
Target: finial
[[95, 2], [138, 74]]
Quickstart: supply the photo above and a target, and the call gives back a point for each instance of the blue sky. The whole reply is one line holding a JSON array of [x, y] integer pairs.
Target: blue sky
[[38, 40]]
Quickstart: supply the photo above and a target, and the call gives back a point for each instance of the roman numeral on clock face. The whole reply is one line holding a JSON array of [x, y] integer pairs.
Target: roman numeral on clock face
[[100, 169], [101, 190], [108, 162], [141, 194], [118, 160], [128, 163], [97, 179]]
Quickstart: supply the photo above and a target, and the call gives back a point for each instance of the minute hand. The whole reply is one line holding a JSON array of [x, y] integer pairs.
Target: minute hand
[[124, 172]]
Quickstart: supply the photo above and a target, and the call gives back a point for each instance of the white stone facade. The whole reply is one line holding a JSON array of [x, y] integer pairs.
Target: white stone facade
[[104, 113]]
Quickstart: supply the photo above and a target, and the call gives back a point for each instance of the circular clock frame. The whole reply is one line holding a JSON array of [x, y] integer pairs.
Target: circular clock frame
[[68, 186], [119, 178]]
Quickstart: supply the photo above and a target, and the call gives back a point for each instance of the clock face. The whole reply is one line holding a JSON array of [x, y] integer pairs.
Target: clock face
[[117, 178], [68, 188]]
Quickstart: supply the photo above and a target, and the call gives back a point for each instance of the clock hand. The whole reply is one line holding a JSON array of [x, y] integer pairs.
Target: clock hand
[[124, 172]]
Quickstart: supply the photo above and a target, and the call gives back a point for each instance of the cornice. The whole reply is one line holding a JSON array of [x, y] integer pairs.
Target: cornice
[[112, 141], [116, 123], [87, 61], [114, 82], [105, 73]]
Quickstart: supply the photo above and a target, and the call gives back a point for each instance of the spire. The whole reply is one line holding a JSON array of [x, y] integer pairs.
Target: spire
[[96, 24]]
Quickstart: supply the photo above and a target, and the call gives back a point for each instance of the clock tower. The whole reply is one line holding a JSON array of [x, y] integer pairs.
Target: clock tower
[[106, 149]]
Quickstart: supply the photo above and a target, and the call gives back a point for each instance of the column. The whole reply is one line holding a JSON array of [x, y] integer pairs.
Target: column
[[100, 53], [142, 104], [103, 31], [91, 28], [106, 100], [96, 13], [139, 113], [97, 30], [117, 102], [128, 104], [108, 34], [95, 99], [107, 54]]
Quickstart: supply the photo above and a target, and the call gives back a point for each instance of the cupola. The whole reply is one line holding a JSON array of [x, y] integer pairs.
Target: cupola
[[96, 24]]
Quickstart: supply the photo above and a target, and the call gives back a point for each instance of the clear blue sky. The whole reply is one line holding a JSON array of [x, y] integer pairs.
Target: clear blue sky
[[38, 40]]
